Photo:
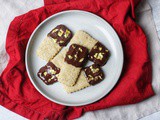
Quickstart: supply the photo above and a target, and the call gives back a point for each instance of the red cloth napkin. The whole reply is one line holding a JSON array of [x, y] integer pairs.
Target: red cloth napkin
[[18, 94]]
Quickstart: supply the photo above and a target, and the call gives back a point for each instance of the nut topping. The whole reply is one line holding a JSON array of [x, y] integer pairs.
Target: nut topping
[[61, 35], [94, 74], [67, 33], [48, 73], [81, 60], [61, 41], [45, 73], [100, 48], [78, 54], [80, 50], [99, 54], [70, 57]]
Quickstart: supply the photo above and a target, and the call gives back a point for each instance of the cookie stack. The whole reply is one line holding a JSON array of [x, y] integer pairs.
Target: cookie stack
[[67, 66]]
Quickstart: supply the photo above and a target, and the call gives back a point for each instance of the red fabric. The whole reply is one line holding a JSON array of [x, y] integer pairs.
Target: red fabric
[[18, 94]]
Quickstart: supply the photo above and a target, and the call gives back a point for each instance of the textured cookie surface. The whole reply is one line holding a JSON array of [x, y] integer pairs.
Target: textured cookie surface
[[80, 84], [58, 60], [48, 49], [84, 39], [68, 73]]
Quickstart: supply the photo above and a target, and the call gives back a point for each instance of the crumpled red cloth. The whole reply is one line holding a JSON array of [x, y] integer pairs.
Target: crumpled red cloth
[[18, 94]]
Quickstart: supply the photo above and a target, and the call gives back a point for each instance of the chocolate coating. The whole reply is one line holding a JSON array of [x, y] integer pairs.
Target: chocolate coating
[[61, 35], [48, 73], [76, 55], [94, 74], [99, 54]]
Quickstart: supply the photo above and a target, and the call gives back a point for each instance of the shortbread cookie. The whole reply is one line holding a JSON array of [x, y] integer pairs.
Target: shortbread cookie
[[58, 60], [76, 55], [54, 42], [80, 84], [61, 35], [48, 73], [48, 49], [99, 54], [84, 39], [94, 74], [68, 73]]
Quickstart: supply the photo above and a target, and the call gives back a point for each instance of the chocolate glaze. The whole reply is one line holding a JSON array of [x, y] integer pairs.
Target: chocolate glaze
[[94, 74], [76, 55], [48, 73], [61, 34], [99, 54]]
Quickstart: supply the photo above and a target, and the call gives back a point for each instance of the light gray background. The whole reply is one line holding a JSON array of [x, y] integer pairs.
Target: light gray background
[[19, 7], [155, 5]]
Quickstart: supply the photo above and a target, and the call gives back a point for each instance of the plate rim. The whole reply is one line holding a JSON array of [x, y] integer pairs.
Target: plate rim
[[118, 73]]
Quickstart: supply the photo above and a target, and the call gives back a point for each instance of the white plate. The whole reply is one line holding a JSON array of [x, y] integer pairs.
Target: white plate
[[96, 27]]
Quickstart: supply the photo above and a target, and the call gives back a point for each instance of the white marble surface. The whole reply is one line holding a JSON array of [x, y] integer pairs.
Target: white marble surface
[[155, 5], [17, 7]]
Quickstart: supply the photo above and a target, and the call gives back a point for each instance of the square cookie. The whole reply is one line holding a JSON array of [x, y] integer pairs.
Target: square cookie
[[76, 55], [99, 54], [48, 73], [61, 35], [94, 74], [80, 84]]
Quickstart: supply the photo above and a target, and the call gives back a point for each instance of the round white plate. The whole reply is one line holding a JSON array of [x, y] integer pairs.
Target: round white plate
[[97, 28]]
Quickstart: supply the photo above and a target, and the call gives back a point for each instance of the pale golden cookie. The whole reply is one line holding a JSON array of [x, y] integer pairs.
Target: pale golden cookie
[[84, 39], [58, 60], [48, 49], [80, 84]]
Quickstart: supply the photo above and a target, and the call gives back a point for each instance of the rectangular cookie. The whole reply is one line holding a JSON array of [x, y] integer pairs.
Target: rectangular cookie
[[84, 39], [53, 43], [68, 73], [80, 84]]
